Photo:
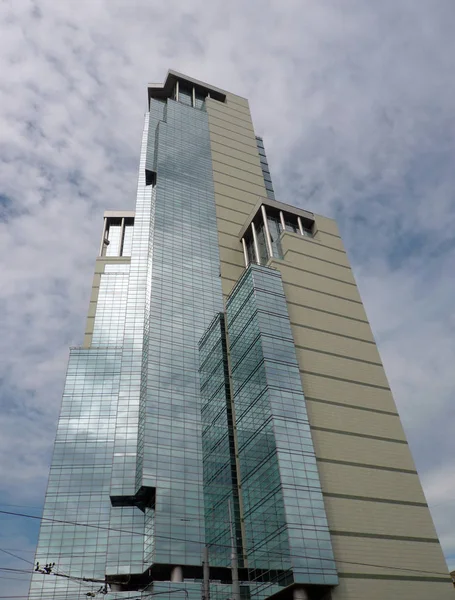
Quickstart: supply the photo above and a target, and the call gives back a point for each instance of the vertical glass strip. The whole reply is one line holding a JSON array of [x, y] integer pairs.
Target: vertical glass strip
[[285, 522]]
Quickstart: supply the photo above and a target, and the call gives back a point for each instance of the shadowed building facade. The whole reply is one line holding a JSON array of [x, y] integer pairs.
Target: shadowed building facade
[[228, 397]]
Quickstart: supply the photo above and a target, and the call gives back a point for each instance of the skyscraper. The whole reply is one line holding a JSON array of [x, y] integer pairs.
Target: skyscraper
[[228, 412]]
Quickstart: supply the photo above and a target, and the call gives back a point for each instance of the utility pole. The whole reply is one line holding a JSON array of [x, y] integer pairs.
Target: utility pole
[[234, 563]]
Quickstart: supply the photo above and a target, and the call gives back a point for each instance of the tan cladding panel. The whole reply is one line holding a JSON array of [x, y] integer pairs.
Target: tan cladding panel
[[231, 256], [323, 301], [369, 483], [246, 174], [330, 240], [231, 117], [237, 100], [226, 142], [246, 140], [354, 449], [241, 209], [238, 127], [322, 277], [328, 269], [248, 199], [381, 518], [230, 271], [229, 214], [222, 152], [327, 342], [227, 285], [326, 388], [383, 589], [302, 315], [354, 420], [327, 225], [222, 162], [337, 366], [395, 553], [294, 245], [239, 184], [232, 229]]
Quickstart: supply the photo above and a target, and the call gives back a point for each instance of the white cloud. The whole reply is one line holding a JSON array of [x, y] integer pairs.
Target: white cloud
[[355, 102]]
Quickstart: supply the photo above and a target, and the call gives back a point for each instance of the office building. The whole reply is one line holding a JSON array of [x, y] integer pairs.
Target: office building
[[228, 406]]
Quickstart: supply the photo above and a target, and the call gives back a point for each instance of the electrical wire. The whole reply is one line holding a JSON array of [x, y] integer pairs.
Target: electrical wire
[[170, 538], [16, 556]]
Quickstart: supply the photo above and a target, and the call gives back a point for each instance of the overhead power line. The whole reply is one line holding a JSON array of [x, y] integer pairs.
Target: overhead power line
[[227, 546]]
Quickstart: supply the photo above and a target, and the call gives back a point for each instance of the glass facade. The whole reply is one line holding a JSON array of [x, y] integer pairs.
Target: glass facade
[[265, 168], [182, 426], [221, 493], [286, 527]]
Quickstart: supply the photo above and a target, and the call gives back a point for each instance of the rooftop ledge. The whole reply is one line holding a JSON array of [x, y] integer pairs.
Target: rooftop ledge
[[164, 90], [286, 208]]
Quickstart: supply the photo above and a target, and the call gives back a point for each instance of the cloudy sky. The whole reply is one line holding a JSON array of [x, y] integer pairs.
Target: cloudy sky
[[355, 101]]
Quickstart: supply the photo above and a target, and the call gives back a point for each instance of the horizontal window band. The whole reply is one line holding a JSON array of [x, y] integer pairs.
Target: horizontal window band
[[360, 435], [395, 577], [373, 385], [377, 500], [327, 312], [352, 406], [366, 466], [341, 335], [381, 536], [344, 357], [329, 262]]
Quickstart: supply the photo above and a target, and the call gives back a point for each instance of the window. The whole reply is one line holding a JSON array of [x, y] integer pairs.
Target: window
[[275, 231], [118, 236], [291, 223]]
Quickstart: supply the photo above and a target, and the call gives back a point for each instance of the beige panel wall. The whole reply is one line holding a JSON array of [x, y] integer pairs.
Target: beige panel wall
[[328, 281], [348, 397], [336, 343], [354, 449], [337, 324], [354, 480], [364, 422], [293, 248], [318, 299], [336, 366], [352, 588], [381, 518], [237, 177], [344, 392], [397, 553], [349, 407]]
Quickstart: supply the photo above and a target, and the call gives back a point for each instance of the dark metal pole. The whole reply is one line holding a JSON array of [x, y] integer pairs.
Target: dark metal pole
[[234, 563]]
